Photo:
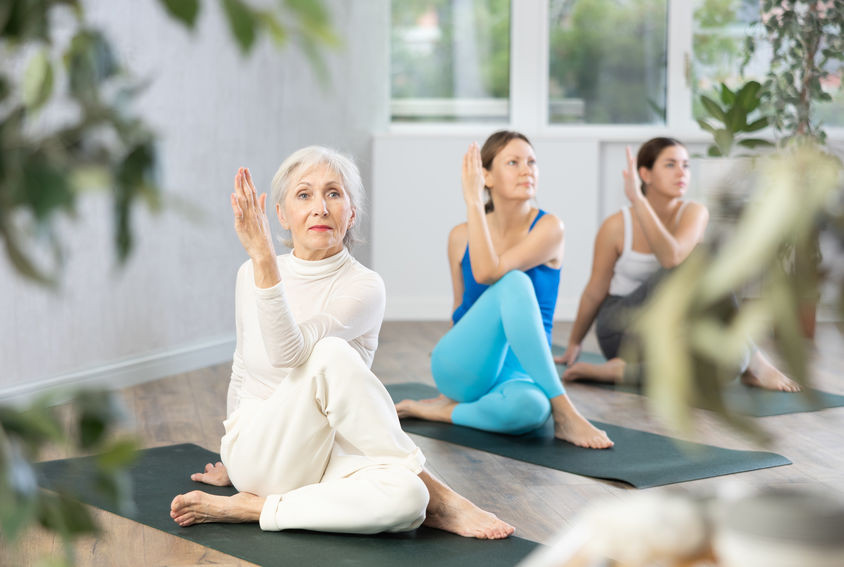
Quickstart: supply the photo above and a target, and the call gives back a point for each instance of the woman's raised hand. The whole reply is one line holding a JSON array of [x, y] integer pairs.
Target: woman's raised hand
[[250, 217], [473, 176], [632, 188]]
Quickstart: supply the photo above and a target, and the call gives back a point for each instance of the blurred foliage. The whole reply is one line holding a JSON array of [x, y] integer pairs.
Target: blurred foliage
[[66, 123], [612, 55], [807, 42], [422, 47], [733, 114], [88, 427], [691, 349]]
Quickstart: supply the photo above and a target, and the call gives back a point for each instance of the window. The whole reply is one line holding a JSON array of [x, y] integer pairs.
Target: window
[[607, 61], [450, 60], [550, 65]]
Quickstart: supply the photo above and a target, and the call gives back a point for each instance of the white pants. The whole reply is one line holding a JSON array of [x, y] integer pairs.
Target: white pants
[[327, 451]]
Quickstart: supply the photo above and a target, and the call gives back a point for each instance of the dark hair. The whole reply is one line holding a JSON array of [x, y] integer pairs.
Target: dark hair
[[493, 145], [650, 150]]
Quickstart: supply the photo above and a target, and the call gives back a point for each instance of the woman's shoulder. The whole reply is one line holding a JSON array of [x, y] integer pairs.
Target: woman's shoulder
[[360, 274]]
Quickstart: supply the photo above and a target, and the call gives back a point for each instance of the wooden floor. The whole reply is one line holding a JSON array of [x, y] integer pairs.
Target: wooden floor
[[538, 501]]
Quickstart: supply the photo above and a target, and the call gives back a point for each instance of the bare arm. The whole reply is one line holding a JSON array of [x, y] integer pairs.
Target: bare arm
[[542, 245], [670, 245], [607, 251], [456, 248]]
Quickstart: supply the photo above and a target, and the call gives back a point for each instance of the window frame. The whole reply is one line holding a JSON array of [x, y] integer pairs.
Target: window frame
[[529, 68]]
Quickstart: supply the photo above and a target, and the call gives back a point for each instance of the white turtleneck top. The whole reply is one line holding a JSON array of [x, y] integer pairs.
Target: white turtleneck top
[[277, 327]]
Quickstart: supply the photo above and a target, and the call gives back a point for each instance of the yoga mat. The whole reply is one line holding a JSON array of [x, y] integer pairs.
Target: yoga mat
[[638, 458], [163, 472], [741, 399]]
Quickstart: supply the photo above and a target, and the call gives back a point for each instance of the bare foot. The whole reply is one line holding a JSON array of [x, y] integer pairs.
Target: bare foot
[[762, 374], [572, 427], [198, 507], [610, 371], [215, 474], [453, 513], [434, 409]]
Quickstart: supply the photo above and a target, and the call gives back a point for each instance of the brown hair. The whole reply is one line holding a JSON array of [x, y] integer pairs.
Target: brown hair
[[493, 145], [650, 150]]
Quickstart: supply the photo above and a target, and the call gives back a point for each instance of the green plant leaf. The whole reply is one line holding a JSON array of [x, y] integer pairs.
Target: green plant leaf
[[119, 454], [241, 22], [755, 143], [713, 151], [706, 126], [64, 515], [37, 81], [748, 97], [757, 124], [724, 141], [269, 22], [713, 108], [727, 96], [18, 490], [184, 11]]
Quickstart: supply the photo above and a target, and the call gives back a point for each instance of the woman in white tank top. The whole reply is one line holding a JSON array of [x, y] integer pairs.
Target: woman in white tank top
[[633, 251]]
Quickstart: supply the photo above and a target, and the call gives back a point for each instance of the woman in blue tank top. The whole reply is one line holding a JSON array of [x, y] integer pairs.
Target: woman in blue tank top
[[494, 367], [633, 250]]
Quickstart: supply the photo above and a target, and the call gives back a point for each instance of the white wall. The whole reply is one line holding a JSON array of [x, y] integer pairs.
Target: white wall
[[171, 308]]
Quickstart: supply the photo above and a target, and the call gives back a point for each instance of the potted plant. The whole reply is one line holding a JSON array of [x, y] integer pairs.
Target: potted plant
[[806, 37], [735, 114]]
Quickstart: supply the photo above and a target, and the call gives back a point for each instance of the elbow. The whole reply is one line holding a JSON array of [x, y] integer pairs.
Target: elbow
[[672, 260], [290, 357]]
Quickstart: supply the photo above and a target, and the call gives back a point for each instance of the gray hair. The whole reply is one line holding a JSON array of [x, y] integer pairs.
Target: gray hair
[[302, 161]]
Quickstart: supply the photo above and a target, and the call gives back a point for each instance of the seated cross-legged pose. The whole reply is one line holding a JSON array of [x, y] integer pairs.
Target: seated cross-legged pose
[[312, 440], [634, 249], [494, 366]]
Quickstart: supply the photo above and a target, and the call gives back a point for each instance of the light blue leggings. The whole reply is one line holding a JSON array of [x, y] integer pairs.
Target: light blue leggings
[[496, 361]]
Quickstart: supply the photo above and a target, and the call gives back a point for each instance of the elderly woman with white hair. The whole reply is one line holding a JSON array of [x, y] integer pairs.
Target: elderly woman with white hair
[[312, 440]]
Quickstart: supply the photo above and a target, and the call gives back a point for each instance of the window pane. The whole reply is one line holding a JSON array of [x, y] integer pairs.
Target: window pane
[[450, 60], [607, 61], [720, 30]]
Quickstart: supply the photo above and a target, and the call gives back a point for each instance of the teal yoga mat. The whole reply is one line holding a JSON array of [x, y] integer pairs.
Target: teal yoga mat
[[638, 458], [741, 399], [163, 472]]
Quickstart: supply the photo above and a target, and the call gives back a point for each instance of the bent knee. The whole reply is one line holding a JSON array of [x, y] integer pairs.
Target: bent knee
[[336, 350], [405, 498], [515, 278], [528, 409]]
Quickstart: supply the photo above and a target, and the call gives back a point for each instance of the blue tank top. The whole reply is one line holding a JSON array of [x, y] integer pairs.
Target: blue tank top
[[546, 283]]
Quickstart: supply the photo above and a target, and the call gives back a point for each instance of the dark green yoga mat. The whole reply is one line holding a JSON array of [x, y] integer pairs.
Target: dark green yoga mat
[[639, 458], [163, 472], [741, 399]]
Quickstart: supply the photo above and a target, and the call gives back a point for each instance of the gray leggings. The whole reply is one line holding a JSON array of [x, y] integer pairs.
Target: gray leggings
[[616, 314]]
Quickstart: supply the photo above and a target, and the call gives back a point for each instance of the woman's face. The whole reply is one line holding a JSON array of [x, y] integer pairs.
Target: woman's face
[[513, 173], [669, 175], [317, 212]]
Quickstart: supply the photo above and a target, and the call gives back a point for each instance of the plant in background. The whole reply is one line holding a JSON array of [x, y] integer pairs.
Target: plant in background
[[56, 143], [735, 113], [689, 349], [88, 427], [806, 38]]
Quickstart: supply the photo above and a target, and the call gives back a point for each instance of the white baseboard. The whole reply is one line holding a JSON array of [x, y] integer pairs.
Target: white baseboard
[[130, 371]]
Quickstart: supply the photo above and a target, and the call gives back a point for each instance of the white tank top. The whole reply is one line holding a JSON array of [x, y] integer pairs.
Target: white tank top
[[633, 268]]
